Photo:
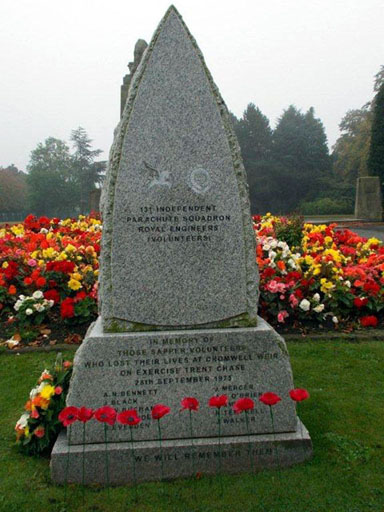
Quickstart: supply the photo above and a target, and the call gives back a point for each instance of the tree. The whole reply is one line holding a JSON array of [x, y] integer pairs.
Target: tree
[[52, 189], [350, 153], [301, 157], [86, 172], [376, 152], [255, 138], [13, 190]]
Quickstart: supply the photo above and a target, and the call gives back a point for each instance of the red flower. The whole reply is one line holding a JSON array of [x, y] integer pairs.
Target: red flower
[[84, 414], [58, 390], [12, 290], [68, 415], [106, 414], [67, 364], [40, 282], [243, 404], [369, 321], [52, 295], [80, 296], [360, 302], [39, 432], [160, 410], [298, 394], [269, 398], [35, 413], [218, 401], [191, 403], [129, 417], [67, 308]]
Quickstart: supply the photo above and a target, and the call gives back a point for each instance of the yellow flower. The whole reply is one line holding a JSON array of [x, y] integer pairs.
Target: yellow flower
[[49, 253], [5, 264], [26, 431], [47, 392], [62, 256], [77, 276], [73, 284], [70, 248]]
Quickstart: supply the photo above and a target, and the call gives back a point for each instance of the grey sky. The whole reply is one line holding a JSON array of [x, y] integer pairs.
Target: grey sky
[[62, 62]]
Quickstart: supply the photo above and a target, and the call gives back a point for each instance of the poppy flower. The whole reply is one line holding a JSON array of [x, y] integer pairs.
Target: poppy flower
[[106, 414], [369, 321], [269, 398], [129, 417], [84, 414], [298, 395], [218, 401], [243, 404], [159, 410], [68, 415], [191, 403]]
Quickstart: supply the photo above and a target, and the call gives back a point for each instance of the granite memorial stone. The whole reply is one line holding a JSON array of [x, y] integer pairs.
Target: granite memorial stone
[[179, 286]]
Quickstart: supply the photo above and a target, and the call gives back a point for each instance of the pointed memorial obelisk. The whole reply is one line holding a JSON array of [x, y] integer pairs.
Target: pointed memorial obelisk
[[179, 287]]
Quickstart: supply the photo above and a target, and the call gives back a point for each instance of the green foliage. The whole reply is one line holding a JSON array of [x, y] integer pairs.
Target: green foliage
[[87, 172], [59, 183], [326, 206], [376, 152], [290, 230], [283, 165], [351, 150], [13, 189], [50, 181]]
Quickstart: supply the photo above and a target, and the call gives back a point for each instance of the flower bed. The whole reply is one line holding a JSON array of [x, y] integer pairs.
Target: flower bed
[[310, 276]]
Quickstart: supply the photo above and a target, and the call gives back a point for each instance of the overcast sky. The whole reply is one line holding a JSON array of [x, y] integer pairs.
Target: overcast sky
[[62, 61]]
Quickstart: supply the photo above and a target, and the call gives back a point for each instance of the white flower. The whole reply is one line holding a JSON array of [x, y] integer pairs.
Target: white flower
[[38, 294], [23, 420], [274, 244], [335, 320], [39, 307], [21, 297], [51, 303], [305, 305], [43, 230], [348, 283], [266, 247], [17, 305], [316, 297], [319, 308], [272, 255], [29, 311], [33, 393]]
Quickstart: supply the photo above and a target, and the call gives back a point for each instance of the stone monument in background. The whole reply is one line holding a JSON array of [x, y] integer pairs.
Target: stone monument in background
[[368, 203], [179, 287]]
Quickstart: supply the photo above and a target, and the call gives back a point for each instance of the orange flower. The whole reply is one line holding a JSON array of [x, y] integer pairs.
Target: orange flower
[[12, 290], [281, 265]]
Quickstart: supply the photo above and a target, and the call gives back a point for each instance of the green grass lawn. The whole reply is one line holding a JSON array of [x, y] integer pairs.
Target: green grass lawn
[[345, 417]]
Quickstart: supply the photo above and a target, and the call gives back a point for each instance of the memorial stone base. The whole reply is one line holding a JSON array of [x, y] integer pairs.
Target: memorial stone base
[[140, 370], [182, 457]]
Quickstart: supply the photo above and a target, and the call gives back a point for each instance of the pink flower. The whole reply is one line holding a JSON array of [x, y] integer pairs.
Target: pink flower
[[275, 287], [293, 300], [282, 315], [32, 263], [58, 390]]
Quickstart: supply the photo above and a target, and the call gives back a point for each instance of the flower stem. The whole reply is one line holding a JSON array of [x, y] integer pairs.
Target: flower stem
[[220, 465], [83, 473], [274, 441], [106, 457], [249, 442], [67, 463], [161, 451], [133, 465], [193, 445]]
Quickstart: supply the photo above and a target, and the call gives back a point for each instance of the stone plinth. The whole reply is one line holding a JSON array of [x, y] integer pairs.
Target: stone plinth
[[292, 448], [139, 370], [368, 205]]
